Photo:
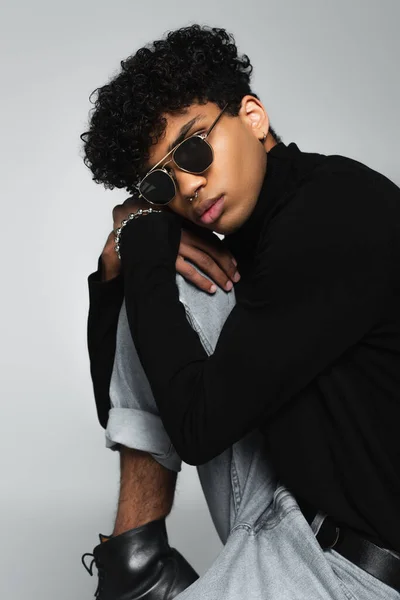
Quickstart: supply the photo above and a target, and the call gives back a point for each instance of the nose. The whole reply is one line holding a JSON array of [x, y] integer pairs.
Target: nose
[[189, 183]]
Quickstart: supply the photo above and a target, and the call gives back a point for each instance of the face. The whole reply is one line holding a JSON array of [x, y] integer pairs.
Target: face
[[232, 183]]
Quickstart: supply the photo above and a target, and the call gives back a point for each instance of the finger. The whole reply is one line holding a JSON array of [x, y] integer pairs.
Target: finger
[[207, 265], [227, 263], [213, 247], [190, 274]]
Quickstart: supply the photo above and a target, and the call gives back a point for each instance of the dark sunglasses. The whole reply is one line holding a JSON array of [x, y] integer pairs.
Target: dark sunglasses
[[193, 155]]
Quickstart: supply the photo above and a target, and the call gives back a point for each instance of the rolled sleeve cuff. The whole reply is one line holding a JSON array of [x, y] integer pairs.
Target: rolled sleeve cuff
[[143, 431]]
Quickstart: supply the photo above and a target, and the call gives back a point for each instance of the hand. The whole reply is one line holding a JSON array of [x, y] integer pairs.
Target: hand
[[110, 263], [204, 249], [131, 205]]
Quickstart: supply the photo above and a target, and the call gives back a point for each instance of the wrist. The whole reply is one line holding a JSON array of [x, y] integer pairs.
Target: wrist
[[141, 212], [151, 239]]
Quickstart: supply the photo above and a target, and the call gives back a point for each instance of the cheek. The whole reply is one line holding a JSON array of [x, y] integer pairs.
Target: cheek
[[240, 146], [225, 172], [176, 207], [244, 170]]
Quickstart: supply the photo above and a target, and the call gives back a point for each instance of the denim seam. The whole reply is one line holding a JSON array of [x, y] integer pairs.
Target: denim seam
[[266, 524], [342, 584], [274, 517], [170, 451], [235, 485], [162, 455], [245, 526], [271, 523], [196, 326]]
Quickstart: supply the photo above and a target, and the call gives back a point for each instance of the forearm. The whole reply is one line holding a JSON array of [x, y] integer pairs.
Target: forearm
[[147, 490], [187, 389], [273, 343]]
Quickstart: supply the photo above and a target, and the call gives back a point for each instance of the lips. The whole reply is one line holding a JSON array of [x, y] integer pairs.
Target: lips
[[204, 206], [213, 212]]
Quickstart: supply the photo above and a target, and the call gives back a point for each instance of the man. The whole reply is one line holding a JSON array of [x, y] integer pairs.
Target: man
[[307, 360]]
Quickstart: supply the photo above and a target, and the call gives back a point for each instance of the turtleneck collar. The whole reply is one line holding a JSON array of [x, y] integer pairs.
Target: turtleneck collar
[[286, 167]]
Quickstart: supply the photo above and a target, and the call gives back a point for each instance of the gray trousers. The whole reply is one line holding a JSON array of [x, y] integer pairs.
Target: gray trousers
[[270, 551]]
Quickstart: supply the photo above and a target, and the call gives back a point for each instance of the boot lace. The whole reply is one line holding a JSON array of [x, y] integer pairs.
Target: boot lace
[[100, 572]]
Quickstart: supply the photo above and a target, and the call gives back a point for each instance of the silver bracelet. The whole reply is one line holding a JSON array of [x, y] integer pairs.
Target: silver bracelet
[[138, 213]]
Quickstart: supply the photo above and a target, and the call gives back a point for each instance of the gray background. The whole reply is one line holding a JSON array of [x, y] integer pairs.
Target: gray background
[[328, 74]]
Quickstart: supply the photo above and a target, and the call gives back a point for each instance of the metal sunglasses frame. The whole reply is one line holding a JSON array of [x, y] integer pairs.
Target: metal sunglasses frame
[[202, 136]]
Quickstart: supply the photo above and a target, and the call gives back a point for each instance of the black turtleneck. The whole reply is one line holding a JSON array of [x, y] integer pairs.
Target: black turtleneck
[[311, 352], [283, 175]]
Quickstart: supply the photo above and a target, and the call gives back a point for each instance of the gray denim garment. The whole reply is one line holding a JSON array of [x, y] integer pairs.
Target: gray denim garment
[[270, 551]]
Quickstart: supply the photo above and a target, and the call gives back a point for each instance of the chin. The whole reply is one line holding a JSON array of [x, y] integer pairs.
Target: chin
[[224, 230], [228, 223]]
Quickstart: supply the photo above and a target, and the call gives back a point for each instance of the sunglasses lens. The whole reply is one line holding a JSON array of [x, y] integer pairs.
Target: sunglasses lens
[[193, 155], [157, 187]]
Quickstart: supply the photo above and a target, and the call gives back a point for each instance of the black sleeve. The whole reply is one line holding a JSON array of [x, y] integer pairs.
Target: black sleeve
[[105, 300], [314, 292]]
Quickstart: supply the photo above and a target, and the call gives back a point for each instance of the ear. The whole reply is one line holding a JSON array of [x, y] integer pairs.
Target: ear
[[254, 116]]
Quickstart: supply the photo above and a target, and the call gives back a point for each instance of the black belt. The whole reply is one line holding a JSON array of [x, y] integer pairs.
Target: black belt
[[379, 562]]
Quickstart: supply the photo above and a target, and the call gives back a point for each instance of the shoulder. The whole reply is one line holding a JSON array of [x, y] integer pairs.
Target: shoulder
[[341, 219], [343, 201]]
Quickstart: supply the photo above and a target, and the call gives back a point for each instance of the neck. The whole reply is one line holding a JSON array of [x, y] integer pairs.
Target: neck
[[243, 242]]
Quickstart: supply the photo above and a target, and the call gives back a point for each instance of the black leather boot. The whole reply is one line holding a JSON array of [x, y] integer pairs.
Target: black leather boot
[[140, 563]]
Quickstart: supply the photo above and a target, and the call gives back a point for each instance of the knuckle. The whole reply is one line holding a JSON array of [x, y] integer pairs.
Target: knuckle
[[206, 261], [191, 271], [218, 250], [183, 248], [230, 268], [184, 268], [224, 255]]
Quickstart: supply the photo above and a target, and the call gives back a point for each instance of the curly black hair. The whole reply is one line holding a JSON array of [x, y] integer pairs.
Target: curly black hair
[[192, 64]]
